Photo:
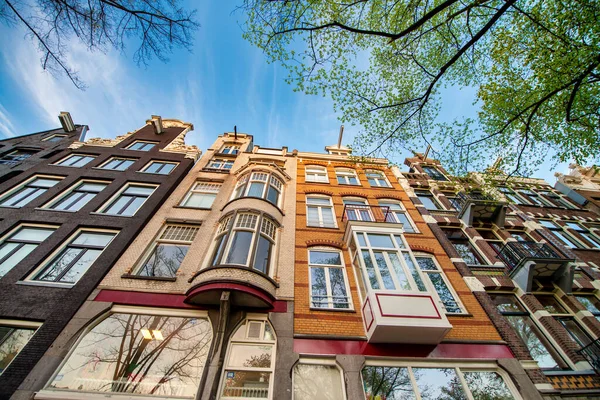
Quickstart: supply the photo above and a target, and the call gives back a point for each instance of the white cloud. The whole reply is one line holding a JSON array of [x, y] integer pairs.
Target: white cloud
[[7, 129]]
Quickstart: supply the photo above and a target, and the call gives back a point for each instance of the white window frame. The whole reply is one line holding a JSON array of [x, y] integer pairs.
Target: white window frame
[[18, 324], [434, 200], [242, 188], [320, 212], [120, 159], [200, 188], [440, 272], [560, 229], [230, 149], [221, 162], [361, 214], [402, 210], [47, 138], [316, 174], [327, 267], [129, 147], [8, 237], [250, 317], [346, 174], [72, 189], [378, 180], [10, 192], [82, 156], [66, 243], [116, 196], [144, 170], [320, 361], [584, 231]]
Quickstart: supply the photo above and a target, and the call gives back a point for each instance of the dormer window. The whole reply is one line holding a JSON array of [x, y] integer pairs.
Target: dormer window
[[230, 149], [434, 173], [54, 138], [263, 185]]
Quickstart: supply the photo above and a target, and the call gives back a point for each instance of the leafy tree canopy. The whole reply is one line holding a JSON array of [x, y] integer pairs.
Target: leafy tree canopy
[[384, 63]]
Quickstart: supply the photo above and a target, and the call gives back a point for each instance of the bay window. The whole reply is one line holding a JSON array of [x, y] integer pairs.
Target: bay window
[[246, 239], [260, 184]]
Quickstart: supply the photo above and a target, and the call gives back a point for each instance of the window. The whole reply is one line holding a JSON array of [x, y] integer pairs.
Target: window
[[560, 313], [54, 138], [492, 239], [386, 262], [74, 259], [582, 232], [439, 282], [534, 198], [428, 200], [160, 167], [434, 173], [264, 185], [318, 379], [16, 156], [28, 191], [141, 145], [511, 196], [230, 149], [148, 354], [201, 195], [376, 178], [220, 164], [357, 209], [168, 251], [19, 243], [591, 303], [319, 212], [75, 160], [521, 236], [397, 214], [13, 339], [464, 247], [129, 200], [518, 317], [250, 361], [78, 196], [346, 176], [567, 239], [556, 199], [245, 239], [435, 382], [118, 163], [328, 283], [315, 173]]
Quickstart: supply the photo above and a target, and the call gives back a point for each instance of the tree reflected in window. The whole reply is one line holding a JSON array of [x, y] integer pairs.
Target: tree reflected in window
[[142, 354]]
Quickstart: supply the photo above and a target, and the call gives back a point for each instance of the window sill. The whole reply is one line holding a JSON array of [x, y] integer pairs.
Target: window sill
[[322, 227], [320, 183], [345, 310], [54, 210], [194, 208], [215, 170], [155, 173], [150, 278], [47, 284], [350, 184], [458, 314], [112, 215]]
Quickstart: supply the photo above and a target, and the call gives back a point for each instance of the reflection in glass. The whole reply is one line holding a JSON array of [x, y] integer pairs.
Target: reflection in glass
[[142, 354], [487, 386], [164, 261], [246, 384], [12, 341], [321, 382], [390, 383], [523, 326], [439, 383]]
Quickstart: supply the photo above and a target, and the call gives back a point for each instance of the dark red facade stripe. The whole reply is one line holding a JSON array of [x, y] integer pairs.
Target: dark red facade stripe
[[443, 350]]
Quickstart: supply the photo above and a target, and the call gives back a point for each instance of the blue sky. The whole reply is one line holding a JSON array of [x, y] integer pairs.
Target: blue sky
[[224, 82]]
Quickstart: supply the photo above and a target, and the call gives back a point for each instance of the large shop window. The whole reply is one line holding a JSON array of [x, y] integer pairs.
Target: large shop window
[[328, 283], [406, 382], [387, 262], [137, 353], [318, 379], [263, 185], [518, 317], [248, 369], [20, 242], [12, 340], [28, 191], [168, 251], [74, 259], [245, 239]]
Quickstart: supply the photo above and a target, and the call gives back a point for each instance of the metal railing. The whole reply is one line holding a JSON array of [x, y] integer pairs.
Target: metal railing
[[514, 253], [591, 353], [356, 212], [245, 392]]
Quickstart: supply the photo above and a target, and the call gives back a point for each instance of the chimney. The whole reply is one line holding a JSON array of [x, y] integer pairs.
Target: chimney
[[66, 121], [340, 137], [157, 124]]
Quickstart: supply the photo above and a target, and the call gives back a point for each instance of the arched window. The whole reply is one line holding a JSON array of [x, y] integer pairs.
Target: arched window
[[346, 176], [316, 173], [250, 360], [376, 178], [245, 239], [396, 214], [261, 184], [139, 353]]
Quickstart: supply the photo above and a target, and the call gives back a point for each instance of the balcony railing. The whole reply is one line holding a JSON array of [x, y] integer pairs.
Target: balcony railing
[[591, 353], [515, 253], [462, 198], [356, 212]]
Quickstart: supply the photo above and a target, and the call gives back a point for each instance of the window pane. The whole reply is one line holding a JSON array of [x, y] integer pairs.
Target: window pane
[[318, 286], [200, 200], [467, 254], [325, 257], [133, 206], [428, 202], [444, 292], [524, 328], [400, 274], [506, 303], [313, 216], [219, 250], [240, 248], [143, 354], [15, 340], [414, 272], [23, 197], [245, 355], [577, 334], [272, 195], [14, 258], [154, 167], [384, 241], [263, 255], [59, 264], [328, 219], [437, 383], [93, 239], [487, 386], [117, 205], [404, 221], [32, 234], [590, 303], [370, 270], [388, 283], [318, 201], [390, 383], [164, 260], [256, 189], [246, 384], [139, 190], [338, 288], [551, 304], [81, 266], [426, 264], [323, 382]]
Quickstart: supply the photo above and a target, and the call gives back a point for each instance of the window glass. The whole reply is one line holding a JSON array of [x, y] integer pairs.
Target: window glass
[[396, 214], [434, 173], [436, 277], [54, 138], [377, 240], [75, 160], [376, 178], [464, 248], [328, 280], [130, 200], [230, 149], [118, 164], [220, 163], [263, 185], [201, 195], [164, 261], [29, 191], [346, 176], [141, 146], [317, 382], [315, 173], [428, 201], [160, 167], [487, 386], [591, 303], [435, 383], [319, 212], [550, 303], [16, 156], [391, 383], [139, 354], [12, 341], [79, 196], [19, 244]]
